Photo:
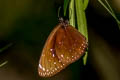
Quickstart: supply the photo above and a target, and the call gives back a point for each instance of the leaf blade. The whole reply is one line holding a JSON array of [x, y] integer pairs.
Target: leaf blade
[[66, 2]]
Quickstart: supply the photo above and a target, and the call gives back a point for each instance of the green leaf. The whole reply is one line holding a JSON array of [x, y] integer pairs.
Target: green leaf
[[81, 21], [66, 2], [86, 4], [72, 13], [81, 18]]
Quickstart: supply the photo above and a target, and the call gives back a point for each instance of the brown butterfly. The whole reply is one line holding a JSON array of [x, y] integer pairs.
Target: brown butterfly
[[64, 46]]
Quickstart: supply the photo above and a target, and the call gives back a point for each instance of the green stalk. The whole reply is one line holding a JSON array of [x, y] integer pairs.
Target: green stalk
[[6, 47], [3, 63], [2, 49], [109, 9]]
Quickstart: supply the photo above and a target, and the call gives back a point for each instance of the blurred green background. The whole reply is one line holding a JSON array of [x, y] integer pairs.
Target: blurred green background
[[27, 23]]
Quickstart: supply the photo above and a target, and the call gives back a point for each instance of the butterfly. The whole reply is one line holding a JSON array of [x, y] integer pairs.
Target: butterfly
[[64, 46]]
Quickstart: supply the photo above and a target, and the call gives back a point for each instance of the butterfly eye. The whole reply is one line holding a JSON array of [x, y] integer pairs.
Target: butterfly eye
[[63, 47]]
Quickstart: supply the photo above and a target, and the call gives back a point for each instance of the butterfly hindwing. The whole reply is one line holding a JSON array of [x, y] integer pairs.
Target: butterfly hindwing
[[71, 45]]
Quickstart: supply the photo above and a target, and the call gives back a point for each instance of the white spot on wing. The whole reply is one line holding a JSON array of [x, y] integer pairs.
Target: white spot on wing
[[62, 55], [53, 55], [43, 69], [54, 62], [40, 66]]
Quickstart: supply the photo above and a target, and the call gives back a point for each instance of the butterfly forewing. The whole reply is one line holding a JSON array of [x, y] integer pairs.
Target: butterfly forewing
[[49, 63]]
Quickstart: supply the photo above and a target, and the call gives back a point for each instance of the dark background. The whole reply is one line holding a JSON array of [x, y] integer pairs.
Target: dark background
[[27, 23]]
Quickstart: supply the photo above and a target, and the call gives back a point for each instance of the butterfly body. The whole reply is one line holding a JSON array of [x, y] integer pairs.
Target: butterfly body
[[64, 46]]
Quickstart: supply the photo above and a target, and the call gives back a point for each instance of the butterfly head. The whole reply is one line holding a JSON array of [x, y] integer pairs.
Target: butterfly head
[[63, 22]]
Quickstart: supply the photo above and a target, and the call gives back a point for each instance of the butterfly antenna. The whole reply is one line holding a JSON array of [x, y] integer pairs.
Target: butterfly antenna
[[70, 13]]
